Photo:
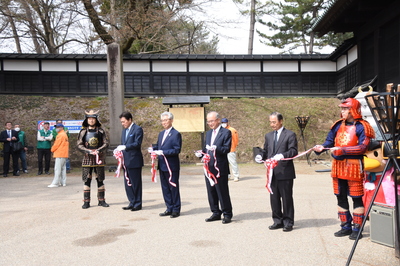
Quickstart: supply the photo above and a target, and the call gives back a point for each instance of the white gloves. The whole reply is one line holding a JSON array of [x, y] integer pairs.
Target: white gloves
[[211, 148], [258, 158], [150, 149], [121, 148], [158, 152], [198, 154], [278, 157]]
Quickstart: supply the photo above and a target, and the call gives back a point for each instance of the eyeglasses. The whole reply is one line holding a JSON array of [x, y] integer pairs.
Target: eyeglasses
[[211, 121]]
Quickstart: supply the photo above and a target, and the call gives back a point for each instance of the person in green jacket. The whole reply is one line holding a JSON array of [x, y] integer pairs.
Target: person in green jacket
[[22, 154], [44, 138]]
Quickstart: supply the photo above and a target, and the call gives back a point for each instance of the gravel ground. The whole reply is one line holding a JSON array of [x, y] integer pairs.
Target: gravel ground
[[47, 226]]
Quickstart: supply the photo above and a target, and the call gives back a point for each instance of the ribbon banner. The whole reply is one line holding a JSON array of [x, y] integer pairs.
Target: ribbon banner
[[153, 167], [205, 160], [120, 158], [270, 164], [98, 161], [154, 171]]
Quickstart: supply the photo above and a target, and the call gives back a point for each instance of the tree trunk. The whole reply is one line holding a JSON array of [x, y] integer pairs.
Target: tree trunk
[[252, 24], [32, 29], [14, 30]]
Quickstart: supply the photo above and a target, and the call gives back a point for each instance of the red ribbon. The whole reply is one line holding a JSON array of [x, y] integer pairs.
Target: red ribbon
[[153, 167], [97, 159], [270, 164], [154, 171], [210, 176], [120, 157]]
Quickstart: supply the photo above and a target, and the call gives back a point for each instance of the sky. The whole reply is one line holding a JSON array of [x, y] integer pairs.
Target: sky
[[234, 38]]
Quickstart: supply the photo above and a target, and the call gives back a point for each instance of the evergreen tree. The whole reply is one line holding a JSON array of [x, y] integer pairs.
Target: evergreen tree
[[292, 25]]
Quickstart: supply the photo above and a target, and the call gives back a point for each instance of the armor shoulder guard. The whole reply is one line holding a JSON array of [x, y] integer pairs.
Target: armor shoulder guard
[[368, 130], [338, 121]]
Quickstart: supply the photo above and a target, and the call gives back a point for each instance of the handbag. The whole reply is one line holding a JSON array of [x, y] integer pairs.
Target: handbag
[[17, 146]]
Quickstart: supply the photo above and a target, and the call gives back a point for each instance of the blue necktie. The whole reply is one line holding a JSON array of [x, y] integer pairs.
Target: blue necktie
[[9, 135], [126, 133]]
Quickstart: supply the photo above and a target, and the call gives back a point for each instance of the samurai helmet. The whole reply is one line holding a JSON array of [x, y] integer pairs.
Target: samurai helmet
[[354, 106], [94, 114]]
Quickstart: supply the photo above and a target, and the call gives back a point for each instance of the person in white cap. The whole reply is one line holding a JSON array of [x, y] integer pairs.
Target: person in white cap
[[232, 153]]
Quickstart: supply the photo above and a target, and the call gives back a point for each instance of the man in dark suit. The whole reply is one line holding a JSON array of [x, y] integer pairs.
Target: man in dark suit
[[131, 140], [168, 147], [217, 146], [281, 143], [9, 137]]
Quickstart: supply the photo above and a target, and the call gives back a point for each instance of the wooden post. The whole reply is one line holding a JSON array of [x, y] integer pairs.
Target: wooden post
[[116, 92]]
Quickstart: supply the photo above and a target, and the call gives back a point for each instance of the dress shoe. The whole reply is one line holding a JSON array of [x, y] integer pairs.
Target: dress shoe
[[15, 174], [138, 208], [47, 172], [127, 208], [4, 175], [226, 220], [287, 228], [39, 172], [103, 203], [175, 214], [275, 226], [213, 217], [166, 213]]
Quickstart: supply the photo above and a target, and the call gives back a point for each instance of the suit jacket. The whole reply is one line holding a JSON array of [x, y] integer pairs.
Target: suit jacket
[[223, 142], [171, 148], [133, 157], [4, 136], [287, 146]]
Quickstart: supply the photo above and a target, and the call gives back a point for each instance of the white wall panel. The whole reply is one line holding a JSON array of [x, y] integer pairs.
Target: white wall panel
[[318, 66], [352, 54], [92, 66], [21, 65], [243, 66], [341, 62], [59, 65], [281, 66], [205, 66], [172, 66], [138, 66]]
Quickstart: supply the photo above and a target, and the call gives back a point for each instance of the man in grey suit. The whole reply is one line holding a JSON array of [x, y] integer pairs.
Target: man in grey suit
[[131, 140], [281, 143]]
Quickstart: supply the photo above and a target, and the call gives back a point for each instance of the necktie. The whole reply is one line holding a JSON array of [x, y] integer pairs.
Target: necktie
[[164, 137], [213, 136], [275, 140], [9, 135], [126, 133]]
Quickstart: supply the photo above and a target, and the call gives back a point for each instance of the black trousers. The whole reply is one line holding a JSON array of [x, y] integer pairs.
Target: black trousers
[[219, 195], [134, 191], [282, 201], [6, 164], [46, 153]]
